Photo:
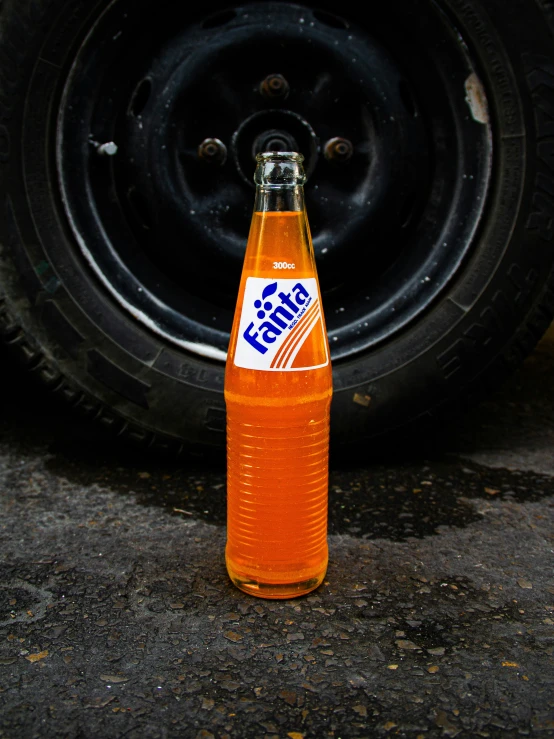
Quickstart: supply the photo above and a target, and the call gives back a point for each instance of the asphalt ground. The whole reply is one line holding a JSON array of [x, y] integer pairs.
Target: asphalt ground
[[436, 619]]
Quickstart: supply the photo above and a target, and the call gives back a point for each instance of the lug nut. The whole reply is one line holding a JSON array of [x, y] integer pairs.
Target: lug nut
[[338, 149], [212, 151], [274, 86]]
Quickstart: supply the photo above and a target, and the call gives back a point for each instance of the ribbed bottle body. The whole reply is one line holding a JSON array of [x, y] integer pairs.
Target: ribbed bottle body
[[277, 490]]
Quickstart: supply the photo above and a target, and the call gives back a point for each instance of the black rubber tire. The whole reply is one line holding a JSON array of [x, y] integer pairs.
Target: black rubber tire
[[74, 336]]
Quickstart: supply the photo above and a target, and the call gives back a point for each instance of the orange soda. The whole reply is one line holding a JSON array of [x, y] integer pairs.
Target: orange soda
[[278, 388]]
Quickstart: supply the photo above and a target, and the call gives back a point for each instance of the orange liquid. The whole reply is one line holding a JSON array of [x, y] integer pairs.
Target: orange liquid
[[278, 439]]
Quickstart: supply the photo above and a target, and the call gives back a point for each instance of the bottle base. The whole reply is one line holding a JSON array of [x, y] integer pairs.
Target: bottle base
[[273, 590]]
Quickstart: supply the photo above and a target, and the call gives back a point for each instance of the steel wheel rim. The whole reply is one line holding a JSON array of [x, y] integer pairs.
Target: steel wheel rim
[[372, 291]]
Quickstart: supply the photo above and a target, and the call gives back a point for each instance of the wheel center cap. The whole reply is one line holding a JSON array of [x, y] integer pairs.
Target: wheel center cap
[[273, 130], [274, 140]]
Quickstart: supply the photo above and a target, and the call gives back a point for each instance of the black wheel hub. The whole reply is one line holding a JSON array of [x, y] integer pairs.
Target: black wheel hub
[[273, 130], [398, 167]]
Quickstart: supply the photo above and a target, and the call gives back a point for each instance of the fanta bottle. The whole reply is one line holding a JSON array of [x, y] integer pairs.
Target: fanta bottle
[[278, 389]]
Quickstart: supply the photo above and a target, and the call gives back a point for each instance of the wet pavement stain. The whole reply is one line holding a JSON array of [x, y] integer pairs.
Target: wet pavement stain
[[392, 502]]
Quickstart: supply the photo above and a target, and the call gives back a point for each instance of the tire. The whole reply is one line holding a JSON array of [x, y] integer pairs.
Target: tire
[[426, 350]]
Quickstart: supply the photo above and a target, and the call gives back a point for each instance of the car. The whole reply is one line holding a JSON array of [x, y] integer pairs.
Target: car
[[128, 134]]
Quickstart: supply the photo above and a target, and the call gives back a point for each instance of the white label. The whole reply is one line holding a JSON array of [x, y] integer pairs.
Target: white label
[[278, 315]]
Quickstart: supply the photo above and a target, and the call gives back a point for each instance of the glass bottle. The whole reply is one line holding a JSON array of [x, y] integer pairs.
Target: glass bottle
[[278, 388]]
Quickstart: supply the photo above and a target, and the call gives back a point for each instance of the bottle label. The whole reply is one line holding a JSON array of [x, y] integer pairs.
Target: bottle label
[[281, 326]]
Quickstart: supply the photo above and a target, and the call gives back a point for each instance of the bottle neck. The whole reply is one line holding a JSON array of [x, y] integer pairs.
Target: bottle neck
[[279, 179], [279, 198]]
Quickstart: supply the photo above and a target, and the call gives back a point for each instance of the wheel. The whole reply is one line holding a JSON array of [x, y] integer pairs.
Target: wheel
[[127, 136]]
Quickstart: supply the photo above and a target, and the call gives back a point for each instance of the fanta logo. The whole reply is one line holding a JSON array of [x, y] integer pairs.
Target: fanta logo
[[276, 315]]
